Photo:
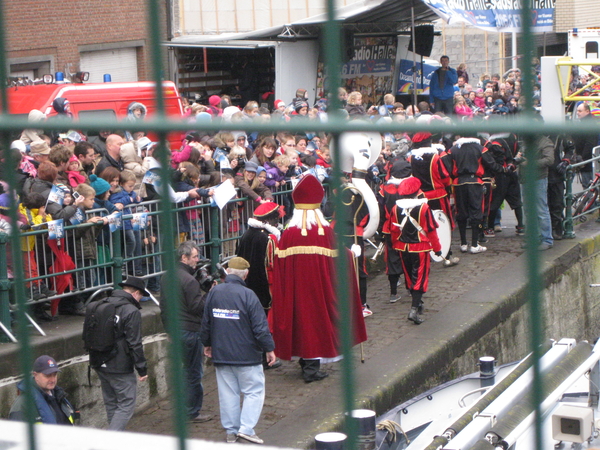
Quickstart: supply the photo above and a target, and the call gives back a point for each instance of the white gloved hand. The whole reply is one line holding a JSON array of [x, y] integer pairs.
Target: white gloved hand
[[355, 249]]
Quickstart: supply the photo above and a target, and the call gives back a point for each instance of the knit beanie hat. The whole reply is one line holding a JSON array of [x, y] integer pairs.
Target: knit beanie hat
[[100, 185], [214, 100], [299, 105]]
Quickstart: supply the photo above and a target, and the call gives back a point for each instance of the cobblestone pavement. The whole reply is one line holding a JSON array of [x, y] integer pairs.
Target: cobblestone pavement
[[287, 394]]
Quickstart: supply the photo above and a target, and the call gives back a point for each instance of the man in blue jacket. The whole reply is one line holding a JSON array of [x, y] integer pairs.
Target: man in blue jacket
[[51, 404], [441, 88], [235, 333]]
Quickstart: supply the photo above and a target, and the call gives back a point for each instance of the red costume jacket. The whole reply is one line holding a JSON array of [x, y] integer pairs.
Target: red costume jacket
[[418, 234]]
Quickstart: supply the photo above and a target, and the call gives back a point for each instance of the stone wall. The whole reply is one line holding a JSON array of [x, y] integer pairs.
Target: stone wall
[[571, 309], [74, 379]]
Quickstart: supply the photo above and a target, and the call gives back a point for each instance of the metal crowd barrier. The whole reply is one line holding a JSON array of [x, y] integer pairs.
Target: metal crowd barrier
[[132, 250]]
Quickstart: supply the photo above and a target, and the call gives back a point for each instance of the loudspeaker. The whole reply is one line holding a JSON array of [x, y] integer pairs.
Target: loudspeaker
[[424, 38]]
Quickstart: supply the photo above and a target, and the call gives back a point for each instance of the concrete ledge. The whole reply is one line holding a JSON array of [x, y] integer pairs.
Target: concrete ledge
[[63, 340]]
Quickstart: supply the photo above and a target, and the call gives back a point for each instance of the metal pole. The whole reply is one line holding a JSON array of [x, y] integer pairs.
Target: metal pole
[[4, 291], [166, 240], [568, 227], [514, 49], [414, 46], [117, 268], [215, 237]]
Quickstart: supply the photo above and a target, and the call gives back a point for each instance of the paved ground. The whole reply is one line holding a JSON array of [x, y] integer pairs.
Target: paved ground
[[293, 407]]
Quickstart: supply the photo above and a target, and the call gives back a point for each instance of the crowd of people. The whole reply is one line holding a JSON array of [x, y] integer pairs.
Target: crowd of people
[[467, 178]]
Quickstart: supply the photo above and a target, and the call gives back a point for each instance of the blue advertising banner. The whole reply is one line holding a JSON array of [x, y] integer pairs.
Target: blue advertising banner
[[405, 77], [494, 15]]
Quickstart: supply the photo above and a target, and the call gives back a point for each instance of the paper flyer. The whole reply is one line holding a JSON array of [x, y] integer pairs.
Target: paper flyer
[[78, 217], [139, 221], [56, 229], [223, 193], [152, 178], [57, 195], [114, 221]]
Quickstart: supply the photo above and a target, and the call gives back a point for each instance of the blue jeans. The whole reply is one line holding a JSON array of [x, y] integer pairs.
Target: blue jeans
[[193, 354], [543, 213], [233, 381]]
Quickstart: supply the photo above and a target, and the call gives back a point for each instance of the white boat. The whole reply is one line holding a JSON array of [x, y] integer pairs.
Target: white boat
[[496, 411]]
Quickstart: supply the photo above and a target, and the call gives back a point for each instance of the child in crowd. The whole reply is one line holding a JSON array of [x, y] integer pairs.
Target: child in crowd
[[324, 157], [184, 180], [85, 251], [33, 208], [74, 172], [133, 240], [479, 99], [112, 176], [102, 189], [296, 168], [276, 171]]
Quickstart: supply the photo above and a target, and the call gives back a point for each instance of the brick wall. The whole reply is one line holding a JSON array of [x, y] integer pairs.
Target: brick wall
[[59, 27]]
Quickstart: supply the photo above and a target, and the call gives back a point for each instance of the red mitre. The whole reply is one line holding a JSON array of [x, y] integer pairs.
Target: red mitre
[[308, 193]]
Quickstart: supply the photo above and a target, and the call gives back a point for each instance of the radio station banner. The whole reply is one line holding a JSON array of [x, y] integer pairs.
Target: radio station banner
[[495, 15], [371, 69], [405, 77]]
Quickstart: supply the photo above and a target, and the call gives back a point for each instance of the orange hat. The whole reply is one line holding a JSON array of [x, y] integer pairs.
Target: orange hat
[[308, 193], [409, 187]]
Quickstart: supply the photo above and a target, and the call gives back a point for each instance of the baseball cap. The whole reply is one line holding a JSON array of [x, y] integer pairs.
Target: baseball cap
[[45, 364]]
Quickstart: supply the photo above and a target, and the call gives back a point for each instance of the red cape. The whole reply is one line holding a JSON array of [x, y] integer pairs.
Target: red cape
[[304, 315], [62, 262]]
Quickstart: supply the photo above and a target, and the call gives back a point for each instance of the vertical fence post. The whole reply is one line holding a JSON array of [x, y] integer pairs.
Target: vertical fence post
[[568, 225], [215, 236], [117, 258], [4, 288]]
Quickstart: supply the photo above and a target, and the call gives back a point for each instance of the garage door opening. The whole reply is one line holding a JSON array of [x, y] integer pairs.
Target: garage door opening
[[242, 73]]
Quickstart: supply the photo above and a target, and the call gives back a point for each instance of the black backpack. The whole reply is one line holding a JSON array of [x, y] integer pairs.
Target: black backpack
[[100, 330]]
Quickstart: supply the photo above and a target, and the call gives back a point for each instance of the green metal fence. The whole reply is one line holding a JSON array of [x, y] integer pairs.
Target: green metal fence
[[336, 125]]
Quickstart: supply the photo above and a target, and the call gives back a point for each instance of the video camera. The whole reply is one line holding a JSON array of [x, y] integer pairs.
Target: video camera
[[206, 278]]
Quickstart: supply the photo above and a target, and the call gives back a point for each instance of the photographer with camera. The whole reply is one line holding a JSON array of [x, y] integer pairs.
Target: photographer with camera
[[191, 309]]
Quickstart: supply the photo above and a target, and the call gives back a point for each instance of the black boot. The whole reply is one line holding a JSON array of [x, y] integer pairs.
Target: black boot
[[414, 316], [310, 370], [41, 315]]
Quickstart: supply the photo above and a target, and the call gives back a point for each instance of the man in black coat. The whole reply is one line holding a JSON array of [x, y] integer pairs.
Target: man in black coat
[[585, 143], [256, 246], [191, 309], [117, 375]]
